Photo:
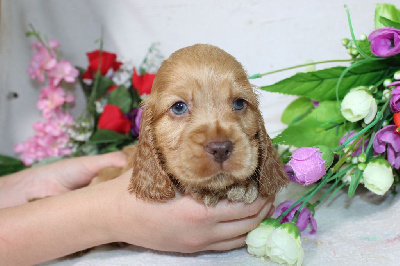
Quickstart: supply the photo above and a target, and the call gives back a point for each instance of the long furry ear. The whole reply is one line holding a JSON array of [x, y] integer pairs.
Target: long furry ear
[[271, 176], [149, 180]]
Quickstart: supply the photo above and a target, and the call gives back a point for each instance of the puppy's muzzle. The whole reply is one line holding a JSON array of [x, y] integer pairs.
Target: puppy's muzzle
[[220, 150]]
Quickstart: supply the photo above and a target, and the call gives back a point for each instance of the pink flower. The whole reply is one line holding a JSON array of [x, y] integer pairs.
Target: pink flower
[[42, 60], [62, 71], [52, 98], [305, 218], [50, 140], [385, 42], [308, 164]]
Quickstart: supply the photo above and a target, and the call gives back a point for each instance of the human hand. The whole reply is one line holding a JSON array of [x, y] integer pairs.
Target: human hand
[[56, 178], [181, 224]]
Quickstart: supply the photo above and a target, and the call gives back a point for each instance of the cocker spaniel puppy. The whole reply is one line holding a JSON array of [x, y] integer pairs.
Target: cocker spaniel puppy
[[202, 133]]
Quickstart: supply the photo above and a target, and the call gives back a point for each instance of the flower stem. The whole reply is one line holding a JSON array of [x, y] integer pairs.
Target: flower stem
[[255, 76]]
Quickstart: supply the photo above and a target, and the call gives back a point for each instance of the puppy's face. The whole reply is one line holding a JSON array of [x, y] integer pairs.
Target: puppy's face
[[205, 118]]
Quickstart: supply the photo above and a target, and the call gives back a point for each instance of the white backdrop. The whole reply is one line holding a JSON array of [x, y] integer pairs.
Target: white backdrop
[[263, 35]]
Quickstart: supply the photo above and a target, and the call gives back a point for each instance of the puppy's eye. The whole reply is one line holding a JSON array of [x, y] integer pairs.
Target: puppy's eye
[[179, 108], [239, 104]]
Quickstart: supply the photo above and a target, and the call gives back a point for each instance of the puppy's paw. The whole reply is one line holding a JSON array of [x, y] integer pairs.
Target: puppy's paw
[[243, 194]]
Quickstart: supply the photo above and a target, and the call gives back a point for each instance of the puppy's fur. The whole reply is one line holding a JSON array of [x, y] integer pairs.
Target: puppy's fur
[[222, 113]]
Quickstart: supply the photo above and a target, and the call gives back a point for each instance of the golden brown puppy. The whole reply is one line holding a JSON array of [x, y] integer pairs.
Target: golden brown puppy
[[202, 133]]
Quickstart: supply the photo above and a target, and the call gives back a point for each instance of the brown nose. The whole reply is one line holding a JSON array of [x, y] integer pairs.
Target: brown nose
[[220, 150]]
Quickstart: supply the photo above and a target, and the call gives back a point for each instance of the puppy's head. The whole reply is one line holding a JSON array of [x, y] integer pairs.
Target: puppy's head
[[203, 127]]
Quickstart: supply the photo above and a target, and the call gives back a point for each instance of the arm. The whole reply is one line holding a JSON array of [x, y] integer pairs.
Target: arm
[[95, 215]]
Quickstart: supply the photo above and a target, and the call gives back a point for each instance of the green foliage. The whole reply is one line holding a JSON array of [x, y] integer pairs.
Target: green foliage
[[320, 85], [296, 110], [9, 165], [323, 125], [120, 97], [106, 136], [386, 15]]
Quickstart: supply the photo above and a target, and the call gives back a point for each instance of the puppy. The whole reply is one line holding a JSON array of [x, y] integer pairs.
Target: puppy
[[202, 133]]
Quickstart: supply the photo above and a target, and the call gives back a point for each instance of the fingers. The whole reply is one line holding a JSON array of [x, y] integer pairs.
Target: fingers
[[227, 244], [116, 159], [229, 211]]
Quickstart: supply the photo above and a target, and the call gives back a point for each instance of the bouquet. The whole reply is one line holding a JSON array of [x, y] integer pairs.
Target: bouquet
[[113, 91], [343, 131]]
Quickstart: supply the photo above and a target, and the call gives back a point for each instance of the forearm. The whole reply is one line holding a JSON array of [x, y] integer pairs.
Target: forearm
[[51, 228]]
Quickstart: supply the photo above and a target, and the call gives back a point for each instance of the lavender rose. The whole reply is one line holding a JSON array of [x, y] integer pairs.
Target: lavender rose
[[135, 116], [395, 100], [388, 140], [385, 42], [309, 164], [306, 216]]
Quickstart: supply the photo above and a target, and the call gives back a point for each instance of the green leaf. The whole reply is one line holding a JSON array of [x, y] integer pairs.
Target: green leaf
[[103, 84], [121, 97], [389, 23], [296, 110], [388, 13], [9, 165], [324, 125], [355, 180], [106, 136], [321, 85]]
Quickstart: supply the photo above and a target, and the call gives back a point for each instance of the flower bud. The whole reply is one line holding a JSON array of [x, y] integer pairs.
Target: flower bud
[[284, 245], [309, 164], [397, 75], [359, 104], [256, 239], [387, 82], [345, 42], [362, 158], [378, 176]]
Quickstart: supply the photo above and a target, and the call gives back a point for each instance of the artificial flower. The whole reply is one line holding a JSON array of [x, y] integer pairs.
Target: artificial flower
[[395, 100], [305, 218], [284, 245], [378, 176], [359, 104], [256, 240], [388, 140], [105, 60], [359, 148], [51, 98], [42, 60], [113, 119], [309, 163], [385, 42], [63, 70], [142, 83], [135, 117]]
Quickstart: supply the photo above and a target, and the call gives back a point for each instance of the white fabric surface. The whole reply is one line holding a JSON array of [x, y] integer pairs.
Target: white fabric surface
[[264, 36]]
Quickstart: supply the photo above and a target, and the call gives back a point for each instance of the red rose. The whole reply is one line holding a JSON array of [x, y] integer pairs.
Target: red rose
[[113, 119], [112, 87], [107, 61], [143, 83]]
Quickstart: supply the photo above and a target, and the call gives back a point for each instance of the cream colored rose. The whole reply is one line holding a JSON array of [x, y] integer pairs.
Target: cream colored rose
[[378, 176], [284, 245], [256, 240], [359, 104]]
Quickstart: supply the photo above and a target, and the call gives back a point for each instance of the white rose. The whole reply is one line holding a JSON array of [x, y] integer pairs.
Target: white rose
[[378, 176], [359, 104], [256, 240], [284, 245]]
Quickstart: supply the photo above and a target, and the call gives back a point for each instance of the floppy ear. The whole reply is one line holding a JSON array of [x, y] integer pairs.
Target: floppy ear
[[271, 176], [149, 180]]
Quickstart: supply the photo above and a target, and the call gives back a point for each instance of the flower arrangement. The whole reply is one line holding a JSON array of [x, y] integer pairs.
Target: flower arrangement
[[113, 91], [343, 131]]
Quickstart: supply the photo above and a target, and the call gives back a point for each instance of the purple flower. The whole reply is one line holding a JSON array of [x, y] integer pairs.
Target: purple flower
[[385, 42], [388, 140], [349, 135], [306, 215], [135, 116], [395, 100], [308, 165]]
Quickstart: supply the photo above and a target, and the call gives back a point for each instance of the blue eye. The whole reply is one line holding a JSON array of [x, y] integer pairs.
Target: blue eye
[[179, 108], [239, 104]]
